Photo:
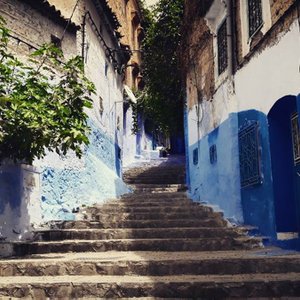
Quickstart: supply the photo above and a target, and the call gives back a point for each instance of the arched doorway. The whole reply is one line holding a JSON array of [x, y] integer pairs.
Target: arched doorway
[[285, 155]]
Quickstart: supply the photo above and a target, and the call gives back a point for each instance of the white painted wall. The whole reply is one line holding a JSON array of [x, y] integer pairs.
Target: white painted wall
[[211, 113], [129, 141], [271, 74]]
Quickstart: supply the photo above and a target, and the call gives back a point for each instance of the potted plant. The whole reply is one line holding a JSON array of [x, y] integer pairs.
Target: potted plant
[[42, 108]]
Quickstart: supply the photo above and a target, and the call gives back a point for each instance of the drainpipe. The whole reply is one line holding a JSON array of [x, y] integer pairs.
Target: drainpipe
[[83, 35]]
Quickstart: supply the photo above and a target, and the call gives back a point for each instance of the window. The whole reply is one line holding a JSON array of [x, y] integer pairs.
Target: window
[[56, 41], [250, 161], [222, 48], [295, 138], [255, 19]]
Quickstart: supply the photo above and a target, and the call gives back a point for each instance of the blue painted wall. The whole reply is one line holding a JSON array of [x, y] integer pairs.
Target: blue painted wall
[[218, 183], [279, 119], [216, 180], [93, 181], [10, 187], [258, 200]]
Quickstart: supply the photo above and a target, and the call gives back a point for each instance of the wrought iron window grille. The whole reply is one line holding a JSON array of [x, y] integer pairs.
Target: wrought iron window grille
[[249, 154], [295, 138], [222, 47], [255, 17]]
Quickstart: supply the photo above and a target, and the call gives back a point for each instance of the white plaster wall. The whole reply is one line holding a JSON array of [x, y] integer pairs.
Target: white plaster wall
[[212, 113], [108, 86], [271, 74], [129, 141]]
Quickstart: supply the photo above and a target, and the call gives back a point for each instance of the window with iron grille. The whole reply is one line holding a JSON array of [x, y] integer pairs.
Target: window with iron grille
[[250, 161], [295, 138], [254, 16], [222, 48]]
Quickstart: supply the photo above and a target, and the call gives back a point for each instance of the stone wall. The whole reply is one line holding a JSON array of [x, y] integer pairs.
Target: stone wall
[[198, 58], [34, 28]]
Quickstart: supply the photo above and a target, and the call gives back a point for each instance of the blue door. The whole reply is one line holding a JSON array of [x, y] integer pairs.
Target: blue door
[[285, 155]]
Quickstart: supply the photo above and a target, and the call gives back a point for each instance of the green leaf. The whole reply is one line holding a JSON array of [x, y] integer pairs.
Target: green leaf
[[43, 110]]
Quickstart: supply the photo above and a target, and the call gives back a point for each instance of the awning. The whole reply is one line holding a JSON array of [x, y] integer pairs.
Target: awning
[[129, 93]]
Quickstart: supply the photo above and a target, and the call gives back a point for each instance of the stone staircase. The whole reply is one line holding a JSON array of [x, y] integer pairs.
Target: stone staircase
[[154, 243]]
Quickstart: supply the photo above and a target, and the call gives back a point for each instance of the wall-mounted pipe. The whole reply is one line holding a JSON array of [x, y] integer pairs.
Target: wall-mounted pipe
[[108, 51]]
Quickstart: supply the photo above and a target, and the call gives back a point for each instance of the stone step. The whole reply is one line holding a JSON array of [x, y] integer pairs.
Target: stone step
[[166, 195], [121, 208], [183, 244], [151, 180], [122, 216], [161, 174], [155, 171], [184, 286], [212, 222], [160, 186], [171, 188], [139, 233], [145, 203], [155, 180], [150, 263], [156, 177]]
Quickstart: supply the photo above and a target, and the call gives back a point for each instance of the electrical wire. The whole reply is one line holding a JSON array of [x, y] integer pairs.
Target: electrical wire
[[69, 21]]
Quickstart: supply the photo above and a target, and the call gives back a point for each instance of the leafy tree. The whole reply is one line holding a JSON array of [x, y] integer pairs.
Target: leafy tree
[[42, 103], [162, 100]]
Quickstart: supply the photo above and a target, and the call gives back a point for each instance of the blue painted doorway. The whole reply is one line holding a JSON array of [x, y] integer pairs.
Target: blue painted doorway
[[284, 134]]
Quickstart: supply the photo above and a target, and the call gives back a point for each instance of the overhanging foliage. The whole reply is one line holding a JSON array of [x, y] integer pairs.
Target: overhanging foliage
[[40, 108]]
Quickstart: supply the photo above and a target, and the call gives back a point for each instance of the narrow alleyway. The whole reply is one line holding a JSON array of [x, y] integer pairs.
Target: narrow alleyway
[[154, 242]]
